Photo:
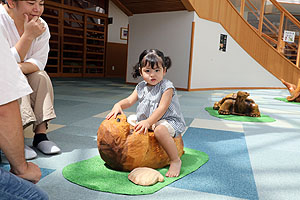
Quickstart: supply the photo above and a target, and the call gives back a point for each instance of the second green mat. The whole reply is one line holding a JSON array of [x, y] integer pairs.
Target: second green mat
[[262, 118], [285, 100]]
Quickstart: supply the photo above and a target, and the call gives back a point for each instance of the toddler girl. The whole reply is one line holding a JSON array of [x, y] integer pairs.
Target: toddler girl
[[158, 106]]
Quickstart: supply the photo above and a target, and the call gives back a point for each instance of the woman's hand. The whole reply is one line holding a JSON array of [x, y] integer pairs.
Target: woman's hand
[[28, 171], [114, 112], [142, 127], [33, 28]]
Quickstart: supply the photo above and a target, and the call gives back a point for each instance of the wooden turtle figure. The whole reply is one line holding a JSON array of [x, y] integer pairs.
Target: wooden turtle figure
[[124, 149], [237, 104]]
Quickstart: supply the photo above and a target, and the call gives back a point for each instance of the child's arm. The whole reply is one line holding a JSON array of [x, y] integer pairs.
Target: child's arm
[[123, 104], [164, 104]]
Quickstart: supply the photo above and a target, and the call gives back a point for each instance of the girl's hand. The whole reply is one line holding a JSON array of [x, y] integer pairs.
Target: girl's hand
[[142, 127], [114, 112]]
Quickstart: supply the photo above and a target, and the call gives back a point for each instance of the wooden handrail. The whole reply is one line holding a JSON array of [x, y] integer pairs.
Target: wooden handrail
[[265, 18], [295, 21], [269, 38], [286, 13], [252, 5], [224, 12], [283, 11], [263, 34], [257, 17], [282, 15], [280, 43]]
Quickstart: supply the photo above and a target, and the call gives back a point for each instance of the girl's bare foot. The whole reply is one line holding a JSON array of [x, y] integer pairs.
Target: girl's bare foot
[[174, 169]]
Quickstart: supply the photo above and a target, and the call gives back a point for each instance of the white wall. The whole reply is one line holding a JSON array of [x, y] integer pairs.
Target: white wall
[[119, 20], [169, 32], [216, 69]]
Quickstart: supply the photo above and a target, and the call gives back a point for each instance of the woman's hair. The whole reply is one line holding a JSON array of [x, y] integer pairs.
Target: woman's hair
[[152, 57], [5, 2]]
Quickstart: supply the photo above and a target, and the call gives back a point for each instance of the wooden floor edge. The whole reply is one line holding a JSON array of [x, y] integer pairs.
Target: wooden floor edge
[[234, 88], [225, 88], [131, 83]]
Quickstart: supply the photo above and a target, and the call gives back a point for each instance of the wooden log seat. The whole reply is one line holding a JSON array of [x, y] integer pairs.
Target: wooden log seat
[[295, 94], [124, 149]]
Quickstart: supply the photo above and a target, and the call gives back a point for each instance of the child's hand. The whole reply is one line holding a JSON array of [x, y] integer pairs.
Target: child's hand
[[142, 127], [114, 112]]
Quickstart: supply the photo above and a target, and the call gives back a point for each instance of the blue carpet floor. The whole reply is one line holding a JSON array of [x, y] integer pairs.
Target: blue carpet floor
[[44, 171], [247, 160], [228, 171]]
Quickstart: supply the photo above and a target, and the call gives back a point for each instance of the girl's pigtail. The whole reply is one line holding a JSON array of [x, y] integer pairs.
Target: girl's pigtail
[[136, 71], [167, 62]]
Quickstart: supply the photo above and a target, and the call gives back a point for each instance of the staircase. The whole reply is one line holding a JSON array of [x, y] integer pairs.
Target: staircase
[[260, 28]]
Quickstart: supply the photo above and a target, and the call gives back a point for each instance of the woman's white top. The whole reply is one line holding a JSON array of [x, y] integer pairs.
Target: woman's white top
[[38, 52], [13, 83]]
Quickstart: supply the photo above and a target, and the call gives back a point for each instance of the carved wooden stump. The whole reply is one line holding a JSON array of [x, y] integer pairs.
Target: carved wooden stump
[[123, 149], [295, 96]]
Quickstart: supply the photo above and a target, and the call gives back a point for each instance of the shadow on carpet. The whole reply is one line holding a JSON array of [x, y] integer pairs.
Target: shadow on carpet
[[262, 118], [94, 174]]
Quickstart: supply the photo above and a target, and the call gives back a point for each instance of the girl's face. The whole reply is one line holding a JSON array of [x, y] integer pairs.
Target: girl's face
[[153, 76], [31, 8]]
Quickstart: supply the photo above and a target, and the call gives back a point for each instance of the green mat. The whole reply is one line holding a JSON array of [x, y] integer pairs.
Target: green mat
[[285, 100], [93, 174], [262, 118]]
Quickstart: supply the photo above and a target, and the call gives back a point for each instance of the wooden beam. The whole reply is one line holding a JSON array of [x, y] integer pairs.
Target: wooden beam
[[128, 33], [298, 55], [261, 16], [187, 5], [84, 44], [191, 56], [279, 41], [242, 8], [122, 7]]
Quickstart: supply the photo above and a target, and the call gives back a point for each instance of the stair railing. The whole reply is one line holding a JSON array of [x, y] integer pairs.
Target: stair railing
[[274, 23]]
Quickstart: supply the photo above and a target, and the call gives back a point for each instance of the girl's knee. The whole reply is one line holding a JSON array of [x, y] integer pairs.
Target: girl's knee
[[161, 130]]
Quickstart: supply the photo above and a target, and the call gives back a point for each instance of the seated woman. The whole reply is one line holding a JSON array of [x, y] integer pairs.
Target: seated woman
[[294, 90], [28, 36]]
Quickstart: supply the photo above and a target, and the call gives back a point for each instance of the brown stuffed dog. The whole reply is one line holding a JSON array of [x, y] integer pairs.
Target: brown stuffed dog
[[123, 149]]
